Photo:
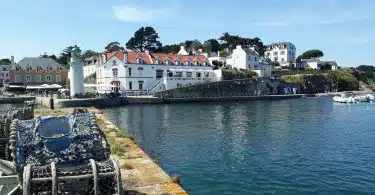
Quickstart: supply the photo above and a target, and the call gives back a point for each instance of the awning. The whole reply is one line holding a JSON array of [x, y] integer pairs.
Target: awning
[[16, 86], [44, 86]]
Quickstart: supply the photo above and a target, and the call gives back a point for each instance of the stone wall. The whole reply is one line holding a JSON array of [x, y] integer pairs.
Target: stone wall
[[230, 88], [15, 100]]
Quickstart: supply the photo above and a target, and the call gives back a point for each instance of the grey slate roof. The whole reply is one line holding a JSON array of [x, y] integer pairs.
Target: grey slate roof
[[250, 52], [34, 62]]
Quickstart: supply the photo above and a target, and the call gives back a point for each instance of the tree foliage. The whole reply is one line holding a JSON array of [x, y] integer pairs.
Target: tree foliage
[[343, 80], [173, 48], [231, 41], [231, 74], [114, 46], [89, 53], [5, 61], [313, 53], [64, 56], [45, 55], [211, 45], [144, 38]]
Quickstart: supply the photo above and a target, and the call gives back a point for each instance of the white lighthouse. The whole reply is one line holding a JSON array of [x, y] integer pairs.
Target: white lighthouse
[[76, 72]]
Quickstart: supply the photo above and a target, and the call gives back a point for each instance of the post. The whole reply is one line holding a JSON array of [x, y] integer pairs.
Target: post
[[51, 103]]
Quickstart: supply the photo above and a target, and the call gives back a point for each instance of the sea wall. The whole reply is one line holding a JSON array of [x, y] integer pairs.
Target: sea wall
[[15, 100], [230, 88]]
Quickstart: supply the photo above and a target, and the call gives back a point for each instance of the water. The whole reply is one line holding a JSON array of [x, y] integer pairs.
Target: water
[[300, 146]]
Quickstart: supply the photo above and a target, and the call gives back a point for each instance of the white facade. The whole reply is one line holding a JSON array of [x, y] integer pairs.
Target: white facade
[[284, 53], [316, 64], [148, 77], [248, 59], [76, 73]]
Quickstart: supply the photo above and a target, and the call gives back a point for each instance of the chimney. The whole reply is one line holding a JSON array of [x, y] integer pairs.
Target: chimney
[[147, 52], [12, 59], [125, 57], [238, 47], [200, 50], [218, 53]]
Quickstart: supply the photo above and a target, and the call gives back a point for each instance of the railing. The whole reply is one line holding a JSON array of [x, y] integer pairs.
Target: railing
[[155, 85]]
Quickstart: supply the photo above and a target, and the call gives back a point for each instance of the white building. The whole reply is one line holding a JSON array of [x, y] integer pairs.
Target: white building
[[248, 58], [284, 53], [317, 64], [144, 72], [5, 71]]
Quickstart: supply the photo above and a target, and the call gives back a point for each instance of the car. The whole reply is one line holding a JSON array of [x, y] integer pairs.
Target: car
[[8, 94]]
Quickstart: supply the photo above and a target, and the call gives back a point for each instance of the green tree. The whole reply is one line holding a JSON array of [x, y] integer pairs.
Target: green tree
[[174, 48], [5, 61], [144, 38], [211, 45], [114, 46], [231, 41], [89, 53], [45, 55], [313, 53], [196, 44], [343, 80], [64, 57], [217, 64]]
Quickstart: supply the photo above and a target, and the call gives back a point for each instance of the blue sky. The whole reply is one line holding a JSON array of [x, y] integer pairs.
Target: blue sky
[[343, 29]]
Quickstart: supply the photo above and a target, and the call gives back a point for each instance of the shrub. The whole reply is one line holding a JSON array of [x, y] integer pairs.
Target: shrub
[[117, 148], [343, 80]]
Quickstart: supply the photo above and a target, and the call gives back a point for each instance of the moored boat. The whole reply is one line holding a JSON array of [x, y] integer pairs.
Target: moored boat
[[345, 98], [365, 98]]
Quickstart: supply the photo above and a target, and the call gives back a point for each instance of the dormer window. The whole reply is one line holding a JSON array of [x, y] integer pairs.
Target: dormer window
[[158, 61], [28, 68], [38, 68], [188, 62], [18, 68], [206, 63], [49, 68], [169, 62], [178, 62], [197, 63], [139, 60], [114, 63]]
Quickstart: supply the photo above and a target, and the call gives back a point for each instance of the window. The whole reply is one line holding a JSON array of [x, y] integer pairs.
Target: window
[[18, 68], [206, 74], [268, 53], [58, 78], [27, 78], [178, 62], [140, 71], [178, 74], [282, 52], [130, 71], [169, 62], [188, 62], [206, 63], [282, 59], [130, 85], [140, 85], [255, 59], [158, 61], [18, 78], [249, 58], [4, 68], [197, 63], [275, 59], [49, 68], [159, 74], [115, 73], [48, 78], [28, 68], [189, 74], [256, 66], [250, 66], [275, 53], [6, 74], [38, 78], [114, 63], [139, 60], [198, 74]]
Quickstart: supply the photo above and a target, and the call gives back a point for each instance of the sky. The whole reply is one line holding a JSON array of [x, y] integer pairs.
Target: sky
[[343, 29]]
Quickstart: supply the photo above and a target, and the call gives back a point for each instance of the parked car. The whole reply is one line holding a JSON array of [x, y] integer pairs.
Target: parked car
[[8, 94]]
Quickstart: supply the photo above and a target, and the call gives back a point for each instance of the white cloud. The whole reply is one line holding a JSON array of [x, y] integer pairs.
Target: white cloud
[[139, 14]]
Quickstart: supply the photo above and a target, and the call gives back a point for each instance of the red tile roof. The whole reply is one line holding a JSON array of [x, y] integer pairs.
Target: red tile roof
[[153, 57]]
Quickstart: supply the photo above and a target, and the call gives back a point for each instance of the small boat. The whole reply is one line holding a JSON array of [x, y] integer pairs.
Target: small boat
[[365, 98], [345, 98]]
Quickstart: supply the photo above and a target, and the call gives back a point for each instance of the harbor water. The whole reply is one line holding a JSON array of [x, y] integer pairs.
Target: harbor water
[[298, 146]]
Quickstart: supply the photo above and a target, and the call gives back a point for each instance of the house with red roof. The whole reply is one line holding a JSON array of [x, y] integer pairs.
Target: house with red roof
[[138, 73]]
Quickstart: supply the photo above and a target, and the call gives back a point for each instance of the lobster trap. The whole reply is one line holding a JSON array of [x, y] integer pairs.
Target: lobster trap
[[6, 117], [63, 155]]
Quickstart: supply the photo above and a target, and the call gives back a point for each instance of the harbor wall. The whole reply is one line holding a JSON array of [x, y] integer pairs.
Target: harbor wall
[[15, 100], [231, 88]]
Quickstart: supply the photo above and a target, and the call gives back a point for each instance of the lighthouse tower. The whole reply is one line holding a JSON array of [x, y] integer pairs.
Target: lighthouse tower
[[76, 72]]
